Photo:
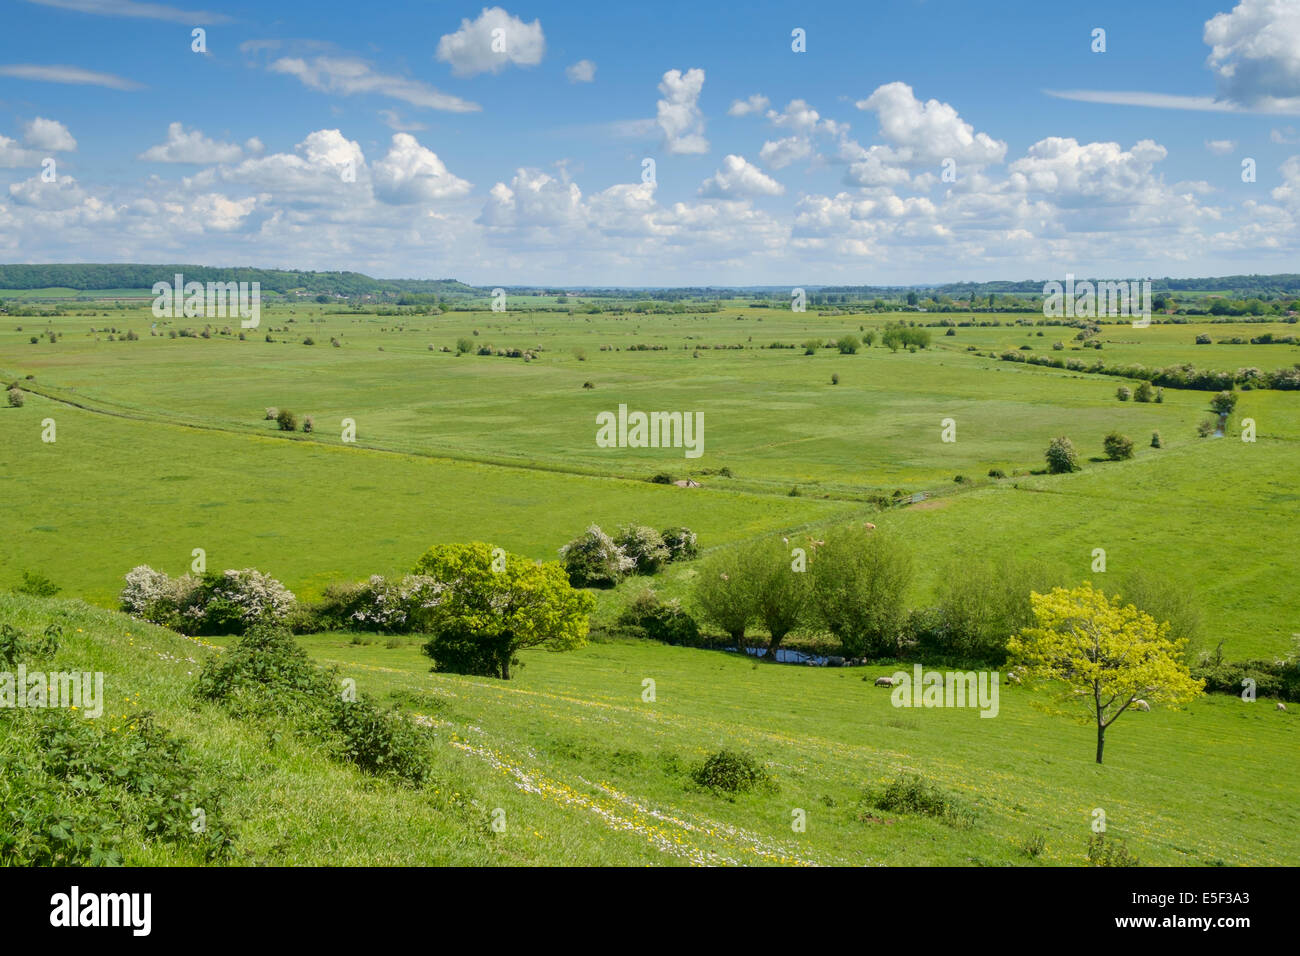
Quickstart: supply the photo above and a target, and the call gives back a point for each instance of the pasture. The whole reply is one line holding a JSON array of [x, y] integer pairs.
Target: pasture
[[163, 447]]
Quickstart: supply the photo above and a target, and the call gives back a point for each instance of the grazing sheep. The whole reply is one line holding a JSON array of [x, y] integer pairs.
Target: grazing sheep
[[1141, 705], [814, 542], [1013, 677], [1281, 706], [869, 526], [884, 682]]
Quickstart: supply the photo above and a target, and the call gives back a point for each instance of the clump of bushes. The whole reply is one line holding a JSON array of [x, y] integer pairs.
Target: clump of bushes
[[226, 602], [912, 793], [390, 606], [287, 420], [680, 542], [267, 674], [1144, 392], [731, 772], [594, 559], [666, 621], [1123, 393], [15, 397], [74, 789], [848, 344], [644, 545], [1156, 440]]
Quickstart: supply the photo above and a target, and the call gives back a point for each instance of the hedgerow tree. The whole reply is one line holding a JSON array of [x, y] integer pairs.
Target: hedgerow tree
[[723, 594], [780, 592], [493, 608], [1106, 654], [859, 583]]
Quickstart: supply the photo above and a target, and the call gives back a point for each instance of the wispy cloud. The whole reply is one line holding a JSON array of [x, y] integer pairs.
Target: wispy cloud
[[139, 11], [68, 74], [1175, 101], [348, 76]]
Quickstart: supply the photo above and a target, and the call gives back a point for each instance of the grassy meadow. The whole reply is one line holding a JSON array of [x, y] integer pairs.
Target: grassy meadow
[[163, 447]]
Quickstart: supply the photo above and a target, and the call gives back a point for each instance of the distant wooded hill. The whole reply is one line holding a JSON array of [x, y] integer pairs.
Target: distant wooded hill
[[88, 277]]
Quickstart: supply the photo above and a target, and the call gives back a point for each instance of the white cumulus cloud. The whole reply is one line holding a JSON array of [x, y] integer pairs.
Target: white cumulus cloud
[[192, 147], [490, 43], [739, 179], [678, 113]]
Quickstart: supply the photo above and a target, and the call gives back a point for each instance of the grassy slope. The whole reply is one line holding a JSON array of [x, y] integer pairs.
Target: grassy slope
[[588, 773]]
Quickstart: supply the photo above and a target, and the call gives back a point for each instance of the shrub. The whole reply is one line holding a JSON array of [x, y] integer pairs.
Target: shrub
[[38, 585], [1160, 396], [1117, 447], [848, 344], [811, 346], [662, 478], [859, 581], [648, 616], [731, 772], [378, 742], [1145, 392], [17, 646], [644, 545], [265, 670], [268, 672], [1224, 402], [1156, 440], [271, 414], [593, 560], [464, 345], [16, 397], [287, 421], [152, 596], [912, 793], [308, 424], [230, 602], [997, 473], [1061, 456], [680, 542], [73, 788], [835, 378], [1206, 428], [1103, 851], [1202, 339], [1123, 393], [390, 606], [309, 341]]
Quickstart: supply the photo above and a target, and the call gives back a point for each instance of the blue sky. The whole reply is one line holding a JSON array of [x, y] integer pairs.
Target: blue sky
[[912, 141]]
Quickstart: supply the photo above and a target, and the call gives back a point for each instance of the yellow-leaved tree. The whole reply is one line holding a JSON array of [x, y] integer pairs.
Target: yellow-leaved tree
[[1109, 655]]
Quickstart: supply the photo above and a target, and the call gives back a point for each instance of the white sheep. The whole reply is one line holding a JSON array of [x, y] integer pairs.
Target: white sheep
[[1141, 705], [884, 682]]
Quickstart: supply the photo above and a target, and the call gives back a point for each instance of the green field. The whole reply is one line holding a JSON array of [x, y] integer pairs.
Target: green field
[[163, 447], [587, 773]]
